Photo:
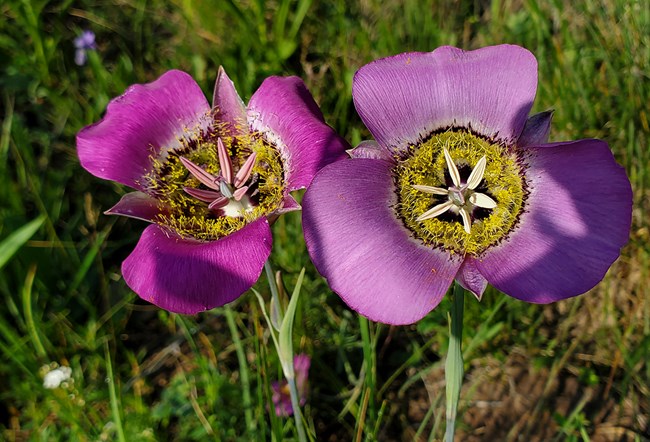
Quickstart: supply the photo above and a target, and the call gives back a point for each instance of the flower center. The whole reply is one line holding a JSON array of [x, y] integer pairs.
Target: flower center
[[460, 192], [462, 197], [227, 194], [215, 184]]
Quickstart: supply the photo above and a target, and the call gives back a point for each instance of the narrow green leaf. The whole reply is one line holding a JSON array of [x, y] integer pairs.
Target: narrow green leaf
[[29, 316], [115, 403], [276, 313], [89, 258], [300, 13], [286, 331], [276, 307], [16, 240], [268, 320]]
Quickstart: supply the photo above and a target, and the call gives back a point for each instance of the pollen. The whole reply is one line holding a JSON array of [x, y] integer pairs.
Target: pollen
[[246, 165], [460, 192]]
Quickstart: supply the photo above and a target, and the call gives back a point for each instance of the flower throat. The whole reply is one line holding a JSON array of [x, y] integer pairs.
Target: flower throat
[[214, 185], [460, 192]]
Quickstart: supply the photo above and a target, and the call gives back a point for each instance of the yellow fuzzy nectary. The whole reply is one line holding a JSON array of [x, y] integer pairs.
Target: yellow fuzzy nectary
[[503, 181], [191, 218]]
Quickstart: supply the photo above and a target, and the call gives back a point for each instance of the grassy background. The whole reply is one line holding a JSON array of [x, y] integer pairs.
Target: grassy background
[[574, 370]]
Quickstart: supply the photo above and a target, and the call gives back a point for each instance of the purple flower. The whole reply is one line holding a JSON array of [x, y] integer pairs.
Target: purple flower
[[208, 179], [82, 43], [460, 184], [281, 394]]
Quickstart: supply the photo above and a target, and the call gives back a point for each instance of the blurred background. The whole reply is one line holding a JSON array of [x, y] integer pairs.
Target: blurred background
[[575, 370]]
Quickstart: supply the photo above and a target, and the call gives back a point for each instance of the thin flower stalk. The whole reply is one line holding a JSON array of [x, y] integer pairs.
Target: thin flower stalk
[[294, 368], [454, 363]]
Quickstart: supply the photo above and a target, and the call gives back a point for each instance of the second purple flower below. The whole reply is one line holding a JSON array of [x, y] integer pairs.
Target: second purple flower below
[[461, 184], [281, 394]]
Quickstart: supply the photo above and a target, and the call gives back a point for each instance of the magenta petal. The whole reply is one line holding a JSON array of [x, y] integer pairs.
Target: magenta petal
[[536, 130], [470, 278], [289, 204], [367, 255], [138, 124], [404, 98], [187, 277], [577, 218], [281, 398], [137, 205], [228, 105], [371, 149], [301, 364], [285, 111]]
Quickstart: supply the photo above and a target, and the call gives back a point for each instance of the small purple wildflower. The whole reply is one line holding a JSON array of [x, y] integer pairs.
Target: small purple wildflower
[[209, 179], [84, 42], [281, 394], [462, 184]]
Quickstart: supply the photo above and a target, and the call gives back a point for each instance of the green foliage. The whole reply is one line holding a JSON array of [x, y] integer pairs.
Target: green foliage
[[178, 378]]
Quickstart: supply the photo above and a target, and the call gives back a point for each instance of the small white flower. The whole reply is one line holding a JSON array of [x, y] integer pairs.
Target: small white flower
[[54, 378]]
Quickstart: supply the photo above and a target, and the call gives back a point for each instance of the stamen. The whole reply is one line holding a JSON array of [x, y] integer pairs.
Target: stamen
[[476, 176], [467, 221], [219, 203], [204, 177], [435, 211], [482, 200], [207, 196], [224, 162], [239, 193], [430, 189], [453, 170], [245, 171]]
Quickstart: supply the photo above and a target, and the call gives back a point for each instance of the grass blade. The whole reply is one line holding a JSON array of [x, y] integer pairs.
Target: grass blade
[[16, 240]]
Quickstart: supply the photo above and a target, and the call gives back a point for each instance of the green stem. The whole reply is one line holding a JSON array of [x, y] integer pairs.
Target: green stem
[[29, 317], [243, 370], [275, 296], [454, 362], [369, 357], [295, 404], [115, 405], [283, 323]]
